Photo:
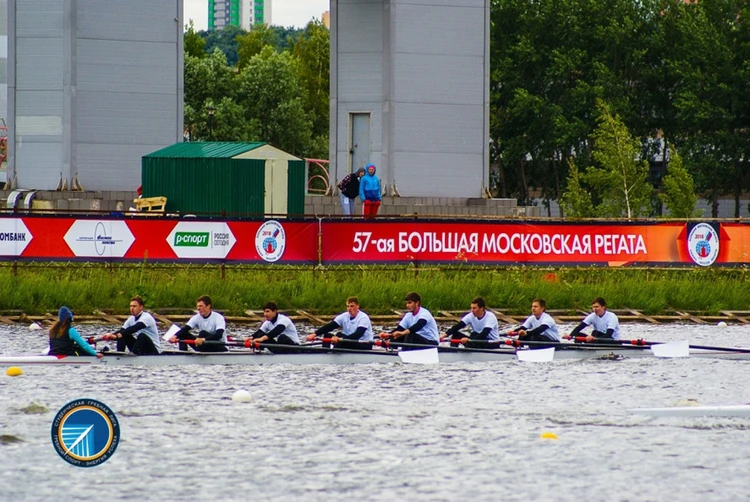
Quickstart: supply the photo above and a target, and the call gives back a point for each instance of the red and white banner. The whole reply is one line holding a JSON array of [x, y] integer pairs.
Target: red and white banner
[[104, 239]]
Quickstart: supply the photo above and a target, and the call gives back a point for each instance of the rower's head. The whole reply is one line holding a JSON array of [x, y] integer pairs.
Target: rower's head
[[64, 318], [478, 306], [352, 306], [65, 315], [538, 306], [413, 302], [270, 310], [136, 305], [204, 305], [599, 306]]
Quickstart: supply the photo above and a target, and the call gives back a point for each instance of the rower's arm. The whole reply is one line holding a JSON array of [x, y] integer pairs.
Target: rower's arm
[[275, 332], [538, 330], [418, 325], [72, 333], [482, 335], [184, 332], [578, 329], [398, 328], [456, 328], [609, 334], [217, 335], [324, 330], [357, 335], [135, 328]]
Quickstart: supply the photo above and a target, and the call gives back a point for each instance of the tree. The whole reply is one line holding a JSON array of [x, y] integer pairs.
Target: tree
[[208, 80], [678, 190], [576, 200], [251, 43], [193, 43], [312, 50], [226, 40], [619, 179]]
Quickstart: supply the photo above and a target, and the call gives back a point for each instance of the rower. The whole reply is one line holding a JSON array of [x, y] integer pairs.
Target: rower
[[277, 329], [605, 323], [355, 324], [483, 327], [64, 339], [211, 328], [417, 327], [539, 326], [139, 333]]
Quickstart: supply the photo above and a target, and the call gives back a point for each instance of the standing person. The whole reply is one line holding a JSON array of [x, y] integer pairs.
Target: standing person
[[354, 323], [139, 333], [539, 327], [417, 326], [370, 192], [605, 323], [349, 190], [277, 329], [483, 326], [211, 327], [64, 339]]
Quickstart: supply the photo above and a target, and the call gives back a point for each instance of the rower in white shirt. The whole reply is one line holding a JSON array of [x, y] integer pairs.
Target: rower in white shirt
[[417, 327], [605, 324], [211, 327], [139, 333], [355, 326], [539, 326], [483, 327], [277, 329]]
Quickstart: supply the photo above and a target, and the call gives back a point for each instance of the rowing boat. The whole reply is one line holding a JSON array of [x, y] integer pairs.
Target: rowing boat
[[319, 355], [739, 410]]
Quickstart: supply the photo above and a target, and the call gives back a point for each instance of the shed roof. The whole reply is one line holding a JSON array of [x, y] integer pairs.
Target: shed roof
[[197, 149]]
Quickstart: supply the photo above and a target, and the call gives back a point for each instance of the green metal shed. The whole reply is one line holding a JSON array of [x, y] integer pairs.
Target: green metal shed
[[237, 179]]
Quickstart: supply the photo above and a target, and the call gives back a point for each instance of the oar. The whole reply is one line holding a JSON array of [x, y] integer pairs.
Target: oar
[[644, 343]]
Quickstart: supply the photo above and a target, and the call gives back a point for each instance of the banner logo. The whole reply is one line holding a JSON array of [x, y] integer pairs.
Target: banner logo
[[14, 237], [107, 239], [85, 432], [195, 239], [703, 244], [270, 241]]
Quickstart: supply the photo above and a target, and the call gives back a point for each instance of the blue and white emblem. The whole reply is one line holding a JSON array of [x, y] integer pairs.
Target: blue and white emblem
[[703, 244], [85, 432]]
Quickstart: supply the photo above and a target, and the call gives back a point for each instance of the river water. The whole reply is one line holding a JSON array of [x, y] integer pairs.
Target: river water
[[389, 431]]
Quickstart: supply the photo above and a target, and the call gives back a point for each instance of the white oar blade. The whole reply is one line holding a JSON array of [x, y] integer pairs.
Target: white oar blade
[[173, 329], [426, 356], [536, 355], [671, 349]]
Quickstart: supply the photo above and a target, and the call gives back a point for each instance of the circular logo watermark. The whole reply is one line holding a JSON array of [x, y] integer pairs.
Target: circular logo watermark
[[85, 432], [270, 241], [703, 244]]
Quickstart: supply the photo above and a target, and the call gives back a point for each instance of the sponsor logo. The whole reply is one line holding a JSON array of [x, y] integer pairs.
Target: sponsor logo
[[85, 432], [14, 237], [270, 241], [109, 239], [703, 244], [193, 239]]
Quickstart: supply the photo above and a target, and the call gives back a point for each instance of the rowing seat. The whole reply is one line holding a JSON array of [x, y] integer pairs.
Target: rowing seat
[[150, 206]]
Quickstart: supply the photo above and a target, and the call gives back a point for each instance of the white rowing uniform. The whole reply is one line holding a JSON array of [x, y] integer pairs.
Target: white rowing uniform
[[607, 321], [289, 329], [429, 331], [350, 324], [545, 319], [489, 320], [211, 324], [150, 330]]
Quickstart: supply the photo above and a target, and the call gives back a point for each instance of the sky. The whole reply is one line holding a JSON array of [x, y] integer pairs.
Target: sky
[[285, 12]]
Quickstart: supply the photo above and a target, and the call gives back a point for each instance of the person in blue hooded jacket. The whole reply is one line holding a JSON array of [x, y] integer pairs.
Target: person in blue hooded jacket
[[64, 340], [369, 192]]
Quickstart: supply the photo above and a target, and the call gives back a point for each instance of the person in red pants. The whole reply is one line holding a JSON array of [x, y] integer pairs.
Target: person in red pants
[[370, 192]]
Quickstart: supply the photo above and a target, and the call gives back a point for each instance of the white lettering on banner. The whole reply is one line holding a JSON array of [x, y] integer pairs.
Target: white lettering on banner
[[196, 239], [14, 236], [563, 244], [434, 242]]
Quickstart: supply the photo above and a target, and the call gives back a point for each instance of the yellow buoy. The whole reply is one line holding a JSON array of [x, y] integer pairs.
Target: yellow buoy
[[548, 435], [14, 371]]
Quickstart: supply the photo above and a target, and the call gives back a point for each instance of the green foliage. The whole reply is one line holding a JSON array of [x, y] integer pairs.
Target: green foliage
[[576, 200], [193, 43], [250, 44], [312, 50], [226, 41], [678, 190]]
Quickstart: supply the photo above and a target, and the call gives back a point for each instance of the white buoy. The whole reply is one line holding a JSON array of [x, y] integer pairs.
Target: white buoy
[[722, 324], [242, 396], [34, 326]]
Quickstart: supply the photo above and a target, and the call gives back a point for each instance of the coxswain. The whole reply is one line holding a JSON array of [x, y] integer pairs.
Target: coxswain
[[64, 339], [483, 327], [417, 327], [355, 326], [277, 329], [211, 327], [606, 326], [138, 333]]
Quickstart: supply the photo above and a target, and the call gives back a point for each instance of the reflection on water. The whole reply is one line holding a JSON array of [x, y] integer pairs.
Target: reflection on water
[[388, 431]]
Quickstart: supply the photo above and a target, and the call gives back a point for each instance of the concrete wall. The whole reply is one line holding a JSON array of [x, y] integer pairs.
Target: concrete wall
[[421, 68], [92, 86]]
